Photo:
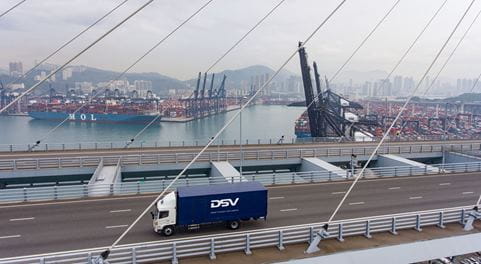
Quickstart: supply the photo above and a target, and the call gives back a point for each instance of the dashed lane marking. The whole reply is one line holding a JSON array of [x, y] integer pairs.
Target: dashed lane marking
[[394, 188], [445, 183], [13, 236], [116, 226], [21, 219], [356, 203], [288, 210], [121, 211], [464, 193], [276, 198], [415, 197], [338, 193]]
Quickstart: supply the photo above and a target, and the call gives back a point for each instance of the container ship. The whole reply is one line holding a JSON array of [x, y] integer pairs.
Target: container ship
[[96, 112], [302, 129]]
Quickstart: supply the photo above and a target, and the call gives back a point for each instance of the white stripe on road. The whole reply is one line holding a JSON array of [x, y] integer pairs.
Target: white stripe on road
[[338, 193], [394, 188], [468, 192], [14, 236], [117, 226], [356, 203], [276, 198], [22, 219], [445, 183], [288, 210], [415, 197], [121, 211]]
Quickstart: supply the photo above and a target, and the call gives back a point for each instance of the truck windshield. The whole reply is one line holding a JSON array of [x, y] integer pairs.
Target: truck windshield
[[163, 214]]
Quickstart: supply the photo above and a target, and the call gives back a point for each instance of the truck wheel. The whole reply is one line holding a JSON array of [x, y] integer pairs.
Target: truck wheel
[[168, 231], [233, 225]]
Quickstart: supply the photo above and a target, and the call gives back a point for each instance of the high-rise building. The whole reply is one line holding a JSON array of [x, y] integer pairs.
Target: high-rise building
[[16, 69], [397, 85], [459, 84], [427, 82], [67, 74], [84, 87], [142, 87], [367, 89], [408, 85]]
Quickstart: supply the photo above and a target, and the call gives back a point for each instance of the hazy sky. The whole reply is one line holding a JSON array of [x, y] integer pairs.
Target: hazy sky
[[37, 27]]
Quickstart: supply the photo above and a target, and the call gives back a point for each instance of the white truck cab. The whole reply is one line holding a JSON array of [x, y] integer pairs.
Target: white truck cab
[[164, 215]]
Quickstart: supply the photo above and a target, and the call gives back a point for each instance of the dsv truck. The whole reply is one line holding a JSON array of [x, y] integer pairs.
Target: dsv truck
[[222, 203]]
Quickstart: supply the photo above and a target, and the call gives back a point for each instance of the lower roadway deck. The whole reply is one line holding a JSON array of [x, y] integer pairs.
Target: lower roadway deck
[[253, 147]]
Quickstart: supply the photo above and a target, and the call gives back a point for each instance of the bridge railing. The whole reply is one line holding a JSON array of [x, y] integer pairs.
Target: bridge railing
[[212, 155], [86, 146], [279, 237], [79, 191]]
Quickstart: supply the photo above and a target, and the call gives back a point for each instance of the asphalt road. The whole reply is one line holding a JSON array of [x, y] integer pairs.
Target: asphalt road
[[166, 150], [27, 229]]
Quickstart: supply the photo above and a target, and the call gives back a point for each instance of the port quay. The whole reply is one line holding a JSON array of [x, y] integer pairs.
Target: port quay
[[223, 142]]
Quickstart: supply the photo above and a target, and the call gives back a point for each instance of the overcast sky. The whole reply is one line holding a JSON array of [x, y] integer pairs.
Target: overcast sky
[[38, 27]]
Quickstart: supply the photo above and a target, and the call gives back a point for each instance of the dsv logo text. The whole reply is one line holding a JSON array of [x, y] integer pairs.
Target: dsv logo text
[[223, 203]]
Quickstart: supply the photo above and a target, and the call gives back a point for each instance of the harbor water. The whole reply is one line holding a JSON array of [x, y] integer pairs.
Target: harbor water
[[258, 122]]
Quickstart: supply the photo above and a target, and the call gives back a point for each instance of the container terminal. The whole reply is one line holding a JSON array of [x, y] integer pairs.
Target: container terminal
[[331, 115]]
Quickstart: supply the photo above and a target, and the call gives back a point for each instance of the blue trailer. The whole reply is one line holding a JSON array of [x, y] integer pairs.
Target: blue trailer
[[196, 205]]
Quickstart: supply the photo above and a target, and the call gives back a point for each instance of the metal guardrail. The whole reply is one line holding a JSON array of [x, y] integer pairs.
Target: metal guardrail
[[209, 156], [79, 146], [79, 191], [279, 237]]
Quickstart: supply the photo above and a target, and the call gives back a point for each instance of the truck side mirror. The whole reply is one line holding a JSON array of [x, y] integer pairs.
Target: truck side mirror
[[152, 214]]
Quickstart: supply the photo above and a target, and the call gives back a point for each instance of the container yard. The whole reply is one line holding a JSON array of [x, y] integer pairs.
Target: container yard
[[418, 119]]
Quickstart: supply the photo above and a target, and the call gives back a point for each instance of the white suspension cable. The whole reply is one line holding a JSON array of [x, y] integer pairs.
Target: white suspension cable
[[244, 36], [76, 56], [225, 126], [210, 67], [451, 54], [358, 48], [11, 8], [475, 83], [364, 41], [358, 176], [472, 89], [67, 43], [124, 72], [385, 80]]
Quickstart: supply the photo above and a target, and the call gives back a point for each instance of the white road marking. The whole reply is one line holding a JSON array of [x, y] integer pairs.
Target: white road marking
[[116, 226], [445, 183], [394, 188], [276, 198], [79, 201], [121, 211], [415, 197], [356, 203], [14, 236], [288, 210], [21, 219], [338, 193], [468, 192]]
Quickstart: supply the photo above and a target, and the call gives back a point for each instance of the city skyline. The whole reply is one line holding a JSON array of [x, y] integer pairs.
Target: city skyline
[[369, 86]]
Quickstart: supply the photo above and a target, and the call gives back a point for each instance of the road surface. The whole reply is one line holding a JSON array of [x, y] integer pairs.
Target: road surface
[[27, 229]]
